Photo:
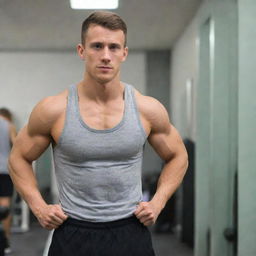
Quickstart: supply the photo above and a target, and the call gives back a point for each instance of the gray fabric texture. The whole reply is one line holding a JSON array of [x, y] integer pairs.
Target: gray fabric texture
[[5, 146], [99, 171]]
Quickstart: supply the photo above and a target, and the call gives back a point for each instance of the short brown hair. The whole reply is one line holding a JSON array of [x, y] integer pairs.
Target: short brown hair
[[108, 20], [6, 113]]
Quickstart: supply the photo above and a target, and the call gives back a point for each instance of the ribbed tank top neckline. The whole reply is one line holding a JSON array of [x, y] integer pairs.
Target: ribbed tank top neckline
[[74, 93]]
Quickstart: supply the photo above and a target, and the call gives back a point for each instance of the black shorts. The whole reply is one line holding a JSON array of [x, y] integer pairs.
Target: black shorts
[[6, 185], [127, 237]]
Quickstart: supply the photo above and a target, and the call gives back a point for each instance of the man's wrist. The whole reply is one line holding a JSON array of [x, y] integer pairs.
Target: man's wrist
[[37, 205], [158, 202]]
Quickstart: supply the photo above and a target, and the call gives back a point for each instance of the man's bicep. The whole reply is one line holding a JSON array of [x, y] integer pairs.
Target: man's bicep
[[35, 137], [30, 147], [166, 143]]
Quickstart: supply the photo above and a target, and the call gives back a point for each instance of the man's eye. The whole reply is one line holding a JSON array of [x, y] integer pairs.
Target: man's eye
[[97, 46], [113, 47]]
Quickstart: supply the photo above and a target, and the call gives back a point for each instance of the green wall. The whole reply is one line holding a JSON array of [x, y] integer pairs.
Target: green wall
[[247, 128], [216, 129]]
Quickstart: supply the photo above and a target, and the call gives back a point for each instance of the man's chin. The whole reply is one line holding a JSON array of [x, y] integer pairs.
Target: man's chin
[[104, 80]]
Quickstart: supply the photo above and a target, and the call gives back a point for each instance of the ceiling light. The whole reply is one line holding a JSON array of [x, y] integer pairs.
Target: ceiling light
[[94, 4]]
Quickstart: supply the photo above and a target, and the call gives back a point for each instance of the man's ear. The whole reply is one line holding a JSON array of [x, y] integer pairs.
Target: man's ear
[[125, 53], [80, 51]]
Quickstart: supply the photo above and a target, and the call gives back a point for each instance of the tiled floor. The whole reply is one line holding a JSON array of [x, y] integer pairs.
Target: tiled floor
[[32, 243], [168, 245]]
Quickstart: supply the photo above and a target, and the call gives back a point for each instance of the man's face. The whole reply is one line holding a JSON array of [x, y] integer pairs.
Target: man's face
[[103, 53]]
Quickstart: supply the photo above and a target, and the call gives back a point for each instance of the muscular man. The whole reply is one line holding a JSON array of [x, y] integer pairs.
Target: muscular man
[[7, 135], [98, 128]]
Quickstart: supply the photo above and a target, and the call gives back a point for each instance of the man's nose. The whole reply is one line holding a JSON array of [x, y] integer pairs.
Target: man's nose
[[106, 55]]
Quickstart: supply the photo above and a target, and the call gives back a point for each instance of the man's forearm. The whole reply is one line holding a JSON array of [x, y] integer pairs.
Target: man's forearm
[[170, 179], [49, 216], [25, 183]]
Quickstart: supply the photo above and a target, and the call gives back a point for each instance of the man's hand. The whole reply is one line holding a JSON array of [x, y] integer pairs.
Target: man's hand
[[51, 216], [147, 213]]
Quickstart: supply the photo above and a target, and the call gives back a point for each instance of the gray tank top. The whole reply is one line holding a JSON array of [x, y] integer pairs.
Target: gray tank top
[[5, 146], [99, 171]]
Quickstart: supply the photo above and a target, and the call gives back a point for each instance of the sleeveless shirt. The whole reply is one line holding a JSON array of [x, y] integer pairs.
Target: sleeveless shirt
[[5, 146], [99, 171]]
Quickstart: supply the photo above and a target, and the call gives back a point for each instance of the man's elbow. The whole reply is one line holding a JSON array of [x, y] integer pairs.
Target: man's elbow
[[185, 160], [186, 164], [14, 161], [11, 161]]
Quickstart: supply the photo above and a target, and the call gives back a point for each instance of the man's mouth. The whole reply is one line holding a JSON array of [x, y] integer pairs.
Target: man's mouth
[[105, 67]]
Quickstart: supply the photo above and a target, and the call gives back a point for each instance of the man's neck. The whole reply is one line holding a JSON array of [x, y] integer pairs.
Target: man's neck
[[101, 92]]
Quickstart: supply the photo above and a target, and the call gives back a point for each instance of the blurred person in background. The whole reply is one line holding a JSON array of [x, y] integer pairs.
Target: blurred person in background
[[7, 136]]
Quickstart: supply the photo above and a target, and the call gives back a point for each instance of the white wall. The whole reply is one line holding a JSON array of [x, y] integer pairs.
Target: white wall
[[184, 66], [134, 70], [27, 77]]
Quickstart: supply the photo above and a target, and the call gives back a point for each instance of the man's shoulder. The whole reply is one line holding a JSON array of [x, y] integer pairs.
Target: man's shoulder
[[148, 105], [153, 111], [48, 110], [51, 105]]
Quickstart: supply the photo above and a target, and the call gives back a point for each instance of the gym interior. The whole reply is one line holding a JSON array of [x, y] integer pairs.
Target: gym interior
[[196, 57]]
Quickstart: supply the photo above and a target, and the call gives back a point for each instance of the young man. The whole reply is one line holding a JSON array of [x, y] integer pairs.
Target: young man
[[98, 128], [7, 135]]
